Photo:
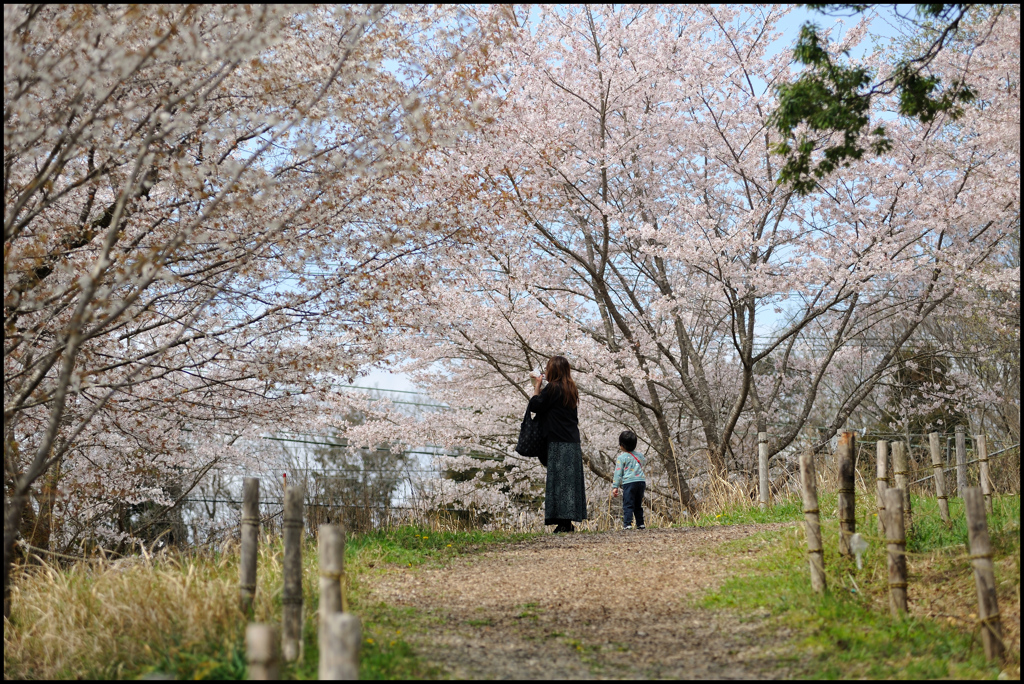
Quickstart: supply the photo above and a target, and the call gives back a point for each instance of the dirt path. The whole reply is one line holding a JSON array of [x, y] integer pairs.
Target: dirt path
[[609, 605]]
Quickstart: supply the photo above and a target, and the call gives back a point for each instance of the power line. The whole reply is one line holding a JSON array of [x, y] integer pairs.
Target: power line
[[377, 389], [410, 403], [957, 465], [342, 446]]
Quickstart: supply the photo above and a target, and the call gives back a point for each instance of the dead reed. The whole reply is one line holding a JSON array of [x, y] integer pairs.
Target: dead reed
[[114, 619]]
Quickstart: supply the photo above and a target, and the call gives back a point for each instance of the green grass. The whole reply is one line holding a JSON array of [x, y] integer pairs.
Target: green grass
[[929, 533], [848, 632], [411, 546], [386, 654], [529, 612], [197, 661], [786, 510]]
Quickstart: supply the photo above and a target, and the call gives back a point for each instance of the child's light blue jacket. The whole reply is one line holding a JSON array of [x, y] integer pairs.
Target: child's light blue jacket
[[629, 467]]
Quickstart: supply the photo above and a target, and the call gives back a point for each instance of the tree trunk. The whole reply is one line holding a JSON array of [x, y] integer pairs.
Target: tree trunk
[[12, 520]]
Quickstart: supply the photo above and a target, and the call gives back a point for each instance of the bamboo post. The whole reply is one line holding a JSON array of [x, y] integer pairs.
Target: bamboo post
[[340, 638], [981, 446], [332, 570], [845, 451], [939, 476], [896, 545], [881, 479], [250, 541], [984, 573], [291, 599], [961, 461], [261, 652], [900, 471], [762, 467], [815, 552]]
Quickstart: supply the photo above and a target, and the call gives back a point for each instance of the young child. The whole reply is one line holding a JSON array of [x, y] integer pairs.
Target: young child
[[629, 472]]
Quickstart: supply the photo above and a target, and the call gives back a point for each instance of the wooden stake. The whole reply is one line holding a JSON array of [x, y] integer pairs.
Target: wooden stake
[[762, 469], [340, 639], [846, 504], [332, 570], [896, 544], [291, 599], [250, 542], [900, 470], [812, 523], [984, 573], [939, 476], [261, 652], [981, 446], [961, 461], [881, 479]]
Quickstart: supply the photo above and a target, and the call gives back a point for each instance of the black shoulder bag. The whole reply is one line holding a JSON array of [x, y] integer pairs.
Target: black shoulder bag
[[531, 442]]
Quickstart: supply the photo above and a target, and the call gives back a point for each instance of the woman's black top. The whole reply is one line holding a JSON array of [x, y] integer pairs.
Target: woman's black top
[[559, 423]]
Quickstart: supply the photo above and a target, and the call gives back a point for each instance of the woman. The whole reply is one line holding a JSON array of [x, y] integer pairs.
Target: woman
[[555, 406]]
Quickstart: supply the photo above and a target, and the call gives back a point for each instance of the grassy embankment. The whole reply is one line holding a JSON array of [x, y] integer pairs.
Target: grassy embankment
[[849, 633], [178, 614]]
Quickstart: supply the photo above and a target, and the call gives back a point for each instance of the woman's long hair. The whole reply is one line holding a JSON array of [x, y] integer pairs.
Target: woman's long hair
[[557, 373]]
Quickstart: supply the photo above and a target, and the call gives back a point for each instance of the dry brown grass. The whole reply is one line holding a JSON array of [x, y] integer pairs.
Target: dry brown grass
[[94, 617], [947, 593], [112, 619]]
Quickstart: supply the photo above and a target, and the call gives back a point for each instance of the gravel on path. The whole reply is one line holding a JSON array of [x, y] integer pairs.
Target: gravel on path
[[605, 605]]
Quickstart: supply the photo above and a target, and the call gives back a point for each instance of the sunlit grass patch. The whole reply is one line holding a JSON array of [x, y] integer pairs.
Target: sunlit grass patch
[[849, 632], [386, 651], [411, 545], [788, 509]]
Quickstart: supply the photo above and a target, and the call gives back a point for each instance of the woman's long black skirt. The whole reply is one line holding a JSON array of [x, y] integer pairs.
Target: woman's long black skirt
[[564, 496]]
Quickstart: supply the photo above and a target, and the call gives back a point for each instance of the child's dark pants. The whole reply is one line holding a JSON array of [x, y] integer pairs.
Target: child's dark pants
[[632, 502]]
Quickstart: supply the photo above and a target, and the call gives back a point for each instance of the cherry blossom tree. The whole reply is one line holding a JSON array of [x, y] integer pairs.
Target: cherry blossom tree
[[626, 212], [973, 336], [209, 215]]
